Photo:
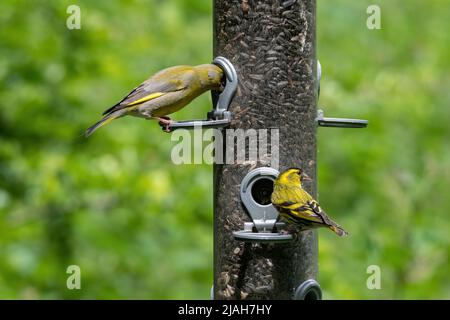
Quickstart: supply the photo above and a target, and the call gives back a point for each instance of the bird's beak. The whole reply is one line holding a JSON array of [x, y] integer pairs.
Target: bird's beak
[[305, 177]]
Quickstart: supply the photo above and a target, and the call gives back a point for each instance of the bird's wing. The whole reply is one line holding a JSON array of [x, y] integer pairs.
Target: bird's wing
[[297, 203], [315, 207], [312, 208], [155, 87]]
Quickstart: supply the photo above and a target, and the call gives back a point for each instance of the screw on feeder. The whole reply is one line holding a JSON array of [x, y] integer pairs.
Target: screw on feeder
[[256, 189], [319, 77], [219, 117]]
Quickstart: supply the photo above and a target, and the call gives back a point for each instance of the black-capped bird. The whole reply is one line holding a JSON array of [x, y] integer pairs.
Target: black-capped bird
[[297, 206], [166, 92]]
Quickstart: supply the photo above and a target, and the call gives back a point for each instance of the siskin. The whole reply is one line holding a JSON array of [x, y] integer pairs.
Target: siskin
[[297, 206], [166, 92]]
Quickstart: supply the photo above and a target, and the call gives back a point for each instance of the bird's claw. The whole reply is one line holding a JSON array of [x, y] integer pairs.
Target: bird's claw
[[165, 122], [283, 232], [166, 128]]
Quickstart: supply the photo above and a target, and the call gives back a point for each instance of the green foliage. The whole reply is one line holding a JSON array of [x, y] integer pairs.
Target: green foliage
[[141, 227], [388, 184]]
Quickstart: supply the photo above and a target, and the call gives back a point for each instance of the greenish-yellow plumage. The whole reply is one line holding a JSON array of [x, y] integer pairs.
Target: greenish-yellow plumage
[[166, 92], [297, 206]]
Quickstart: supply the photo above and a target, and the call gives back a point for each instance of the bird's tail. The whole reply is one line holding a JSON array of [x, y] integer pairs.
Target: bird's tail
[[338, 230], [105, 120], [326, 221]]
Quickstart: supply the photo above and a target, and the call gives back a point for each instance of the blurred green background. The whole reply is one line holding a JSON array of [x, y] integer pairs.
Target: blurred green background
[[141, 227]]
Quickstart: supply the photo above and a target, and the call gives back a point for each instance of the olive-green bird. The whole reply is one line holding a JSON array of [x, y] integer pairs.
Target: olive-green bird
[[166, 92], [297, 206]]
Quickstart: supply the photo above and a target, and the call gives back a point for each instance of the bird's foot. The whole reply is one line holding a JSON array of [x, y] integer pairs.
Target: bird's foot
[[165, 122]]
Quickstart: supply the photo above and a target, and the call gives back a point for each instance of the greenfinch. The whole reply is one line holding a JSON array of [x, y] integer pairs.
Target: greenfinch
[[297, 206], [166, 92]]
